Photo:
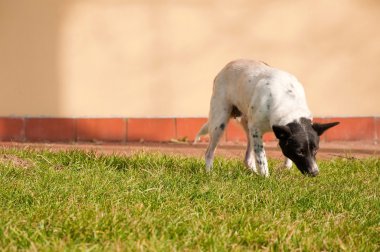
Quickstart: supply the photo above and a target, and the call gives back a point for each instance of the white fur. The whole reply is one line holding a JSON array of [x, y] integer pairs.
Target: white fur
[[243, 84], [265, 96], [288, 163]]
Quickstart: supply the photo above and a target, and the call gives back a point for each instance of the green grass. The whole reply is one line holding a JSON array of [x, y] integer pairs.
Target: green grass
[[83, 201]]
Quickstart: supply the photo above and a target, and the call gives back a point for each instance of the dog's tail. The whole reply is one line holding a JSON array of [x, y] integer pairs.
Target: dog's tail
[[202, 131]]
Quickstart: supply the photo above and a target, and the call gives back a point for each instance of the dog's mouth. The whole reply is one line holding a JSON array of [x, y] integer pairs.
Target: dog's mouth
[[307, 167], [309, 173], [312, 174]]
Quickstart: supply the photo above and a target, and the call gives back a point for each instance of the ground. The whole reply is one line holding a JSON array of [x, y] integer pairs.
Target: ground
[[328, 150], [83, 200]]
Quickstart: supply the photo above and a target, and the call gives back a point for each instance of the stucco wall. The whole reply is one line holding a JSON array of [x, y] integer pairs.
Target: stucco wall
[[139, 58]]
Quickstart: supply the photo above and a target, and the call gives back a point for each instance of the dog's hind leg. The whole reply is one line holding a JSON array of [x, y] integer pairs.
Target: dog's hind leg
[[216, 133], [249, 159], [217, 122]]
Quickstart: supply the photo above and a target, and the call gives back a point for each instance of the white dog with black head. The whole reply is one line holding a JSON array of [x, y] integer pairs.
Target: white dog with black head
[[265, 99]]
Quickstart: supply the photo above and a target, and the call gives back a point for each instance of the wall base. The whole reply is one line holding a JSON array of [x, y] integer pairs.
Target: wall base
[[158, 129]]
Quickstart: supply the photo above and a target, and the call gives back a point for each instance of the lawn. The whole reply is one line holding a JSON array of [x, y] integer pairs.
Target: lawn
[[83, 201]]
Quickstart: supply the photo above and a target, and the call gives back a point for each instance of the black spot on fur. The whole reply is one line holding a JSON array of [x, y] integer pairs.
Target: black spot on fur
[[267, 83], [290, 92], [222, 126], [258, 147]]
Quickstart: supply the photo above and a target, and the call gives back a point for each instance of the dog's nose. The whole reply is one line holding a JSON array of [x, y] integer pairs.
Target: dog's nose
[[314, 173]]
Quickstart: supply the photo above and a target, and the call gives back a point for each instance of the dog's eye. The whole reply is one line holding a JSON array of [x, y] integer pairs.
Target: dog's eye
[[300, 152]]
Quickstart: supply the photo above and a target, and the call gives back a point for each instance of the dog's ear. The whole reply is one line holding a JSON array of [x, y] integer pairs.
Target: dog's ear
[[320, 128], [281, 132]]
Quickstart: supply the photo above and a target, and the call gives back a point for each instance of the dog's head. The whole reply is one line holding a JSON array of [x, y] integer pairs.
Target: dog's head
[[299, 141]]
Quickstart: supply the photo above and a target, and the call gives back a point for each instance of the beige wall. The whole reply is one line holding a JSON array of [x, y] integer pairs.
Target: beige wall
[[140, 58]]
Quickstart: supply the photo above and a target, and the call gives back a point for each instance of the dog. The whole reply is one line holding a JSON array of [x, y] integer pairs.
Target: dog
[[263, 98]]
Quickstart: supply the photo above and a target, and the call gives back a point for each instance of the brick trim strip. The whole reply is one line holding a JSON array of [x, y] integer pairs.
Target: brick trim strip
[[158, 129]]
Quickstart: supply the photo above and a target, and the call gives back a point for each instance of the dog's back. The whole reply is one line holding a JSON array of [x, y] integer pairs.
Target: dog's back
[[265, 94]]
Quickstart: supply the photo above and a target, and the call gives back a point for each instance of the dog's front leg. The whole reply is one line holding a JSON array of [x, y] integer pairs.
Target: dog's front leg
[[258, 146]]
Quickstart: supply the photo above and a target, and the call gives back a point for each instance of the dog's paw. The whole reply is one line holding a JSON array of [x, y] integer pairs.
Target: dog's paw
[[264, 172], [250, 164]]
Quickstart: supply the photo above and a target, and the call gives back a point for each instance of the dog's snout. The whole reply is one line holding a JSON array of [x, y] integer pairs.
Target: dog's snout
[[314, 173], [314, 169]]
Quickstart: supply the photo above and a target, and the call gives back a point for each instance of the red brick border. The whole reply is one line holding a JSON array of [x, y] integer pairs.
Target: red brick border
[[151, 129], [12, 129], [187, 128], [377, 130], [351, 129], [49, 129], [157, 129], [101, 129]]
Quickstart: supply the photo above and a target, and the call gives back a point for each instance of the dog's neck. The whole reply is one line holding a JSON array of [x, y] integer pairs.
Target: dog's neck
[[301, 123], [296, 116]]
